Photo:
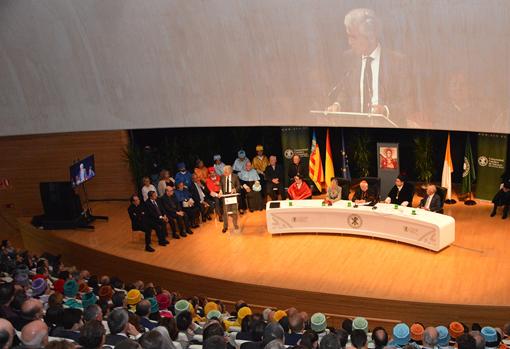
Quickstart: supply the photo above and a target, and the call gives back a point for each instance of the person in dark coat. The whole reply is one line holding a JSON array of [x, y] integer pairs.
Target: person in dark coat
[[502, 198], [136, 212], [402, 192]]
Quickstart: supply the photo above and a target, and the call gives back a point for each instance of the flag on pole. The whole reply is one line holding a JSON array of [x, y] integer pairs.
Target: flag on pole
[[468, 169], [330, 169], [315, 170], [446, 179], [346, 172]]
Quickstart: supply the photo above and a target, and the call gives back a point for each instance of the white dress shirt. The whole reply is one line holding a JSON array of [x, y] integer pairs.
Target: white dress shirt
[[427, 203], [376, 59]]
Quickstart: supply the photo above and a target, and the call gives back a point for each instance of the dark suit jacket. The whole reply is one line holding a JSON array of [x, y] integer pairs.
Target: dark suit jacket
[[170, 205], [114, 339], [194, 192], [368, 196], [68, 334], [394, 84], [271, 174], [153, 213], [406, 194], [295, 169], [435, 204], [235, 183], [137, 215]]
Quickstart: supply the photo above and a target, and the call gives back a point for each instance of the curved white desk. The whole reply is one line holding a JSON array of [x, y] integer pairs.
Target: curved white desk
[[426, 229]]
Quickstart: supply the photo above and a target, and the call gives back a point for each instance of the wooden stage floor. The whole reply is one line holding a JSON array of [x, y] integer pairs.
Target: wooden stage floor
[[473, 271]]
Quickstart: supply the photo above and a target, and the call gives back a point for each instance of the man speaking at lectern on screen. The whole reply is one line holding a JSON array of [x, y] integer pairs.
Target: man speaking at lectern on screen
[[373, 78]]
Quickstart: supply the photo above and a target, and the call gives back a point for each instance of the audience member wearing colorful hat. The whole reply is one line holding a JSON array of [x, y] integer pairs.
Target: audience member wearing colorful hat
[[88, 299], [105, 293], [455, 329], [70, 288], [22, 279], [443, 336], [360, 323], [318, 322], [417, 330], [401, 335], [133, 297], [210, 306], [214, 314], [180, 306], [39, 286], [491, 336], [163, 301], [58, 286], [278, 315], [154, 305]]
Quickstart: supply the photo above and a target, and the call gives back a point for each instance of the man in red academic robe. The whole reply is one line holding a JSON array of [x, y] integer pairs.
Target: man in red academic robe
[[299, 190]]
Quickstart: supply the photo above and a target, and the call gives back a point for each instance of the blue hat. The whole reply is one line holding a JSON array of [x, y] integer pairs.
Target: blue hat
[[217, 157], [154, 305], [241, 153], [401, 334], [490, 335], [443, 336], [73, 304], [318, 322], [181, 165], [70, 288], [39, 286], [88, 299]]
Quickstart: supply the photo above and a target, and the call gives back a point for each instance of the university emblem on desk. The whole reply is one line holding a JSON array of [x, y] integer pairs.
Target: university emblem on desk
[[354, 221]]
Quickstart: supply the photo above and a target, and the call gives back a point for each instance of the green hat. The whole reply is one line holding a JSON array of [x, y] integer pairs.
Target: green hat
[[360, 323], [214, 314], [70, 288], [180, 306], [318, 322], [73, 304], [88, 299], [154, 305]]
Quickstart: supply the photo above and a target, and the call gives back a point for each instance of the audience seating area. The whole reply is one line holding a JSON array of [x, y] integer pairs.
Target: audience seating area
[[46, 304]]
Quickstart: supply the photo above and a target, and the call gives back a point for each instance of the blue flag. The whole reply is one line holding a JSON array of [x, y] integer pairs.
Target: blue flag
[[346, 172]]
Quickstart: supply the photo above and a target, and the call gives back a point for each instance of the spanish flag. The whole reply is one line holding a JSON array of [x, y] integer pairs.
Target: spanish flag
[[330, 169], [446, 179], [315, 171]]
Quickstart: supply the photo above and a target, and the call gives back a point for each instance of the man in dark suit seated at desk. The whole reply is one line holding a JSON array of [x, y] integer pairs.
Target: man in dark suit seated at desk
[[157, 220], [432, 202], [173, 209], [136, 212], [402, 193], [363, 195]]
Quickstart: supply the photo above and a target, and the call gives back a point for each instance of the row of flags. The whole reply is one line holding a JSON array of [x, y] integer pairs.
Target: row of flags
[[320, 175], [317, 173]]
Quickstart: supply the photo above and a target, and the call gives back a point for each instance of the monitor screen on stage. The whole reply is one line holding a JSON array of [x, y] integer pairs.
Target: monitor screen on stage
[[101, 65], [82, 171]]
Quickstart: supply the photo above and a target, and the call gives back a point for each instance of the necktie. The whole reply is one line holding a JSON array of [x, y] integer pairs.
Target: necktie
[[367, 85], [228, 184]]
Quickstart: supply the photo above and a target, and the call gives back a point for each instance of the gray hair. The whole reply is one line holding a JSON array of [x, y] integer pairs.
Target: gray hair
[[117, 320], [479, 339], [275, 344], [430, 336], [365, 20]]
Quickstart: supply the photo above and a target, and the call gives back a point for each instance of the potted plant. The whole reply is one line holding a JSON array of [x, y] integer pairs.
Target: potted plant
[[423, 158], [361, 153]]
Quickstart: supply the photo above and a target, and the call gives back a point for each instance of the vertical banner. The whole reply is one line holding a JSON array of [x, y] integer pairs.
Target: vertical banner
[[388, 165], [491, 163], [295, 140]]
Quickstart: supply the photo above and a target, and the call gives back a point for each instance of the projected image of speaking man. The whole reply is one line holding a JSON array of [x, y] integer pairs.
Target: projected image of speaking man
[[373, 78]]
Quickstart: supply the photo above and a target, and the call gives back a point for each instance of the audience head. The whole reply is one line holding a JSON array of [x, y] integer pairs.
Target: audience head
[[259, 149], [118, 320], [329, 341], [152, 195], [272, 160], [135, 200], [275, 344], [153, 340], [241, 154], [248, 166], [217, 158], [227, 170], [491, 337], [6, 334], [479, 339], [215, 342], [296, 323], [430, 337], [72, 318], [92, 312], [466, 341], [310, 340], [34, 334], [347, 325], [6, 293], [118, 299], [343, 337], [296, 159], [194, 178], [273, 331], [183, 320], [298, 179], [32, 309], [146, 181], [379, 337], [92, 335], [143, 308], [213, 329], [128, 344], [431, 189], [400, 180], [359, 339], [363, 185]]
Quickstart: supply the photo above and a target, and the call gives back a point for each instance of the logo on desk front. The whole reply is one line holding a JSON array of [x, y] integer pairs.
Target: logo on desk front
[[354, 221]]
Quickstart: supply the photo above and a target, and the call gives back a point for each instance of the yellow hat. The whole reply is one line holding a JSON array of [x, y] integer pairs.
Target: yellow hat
[[133, 297], [210, 306], [278, 315], [243, 312], [259, 148]]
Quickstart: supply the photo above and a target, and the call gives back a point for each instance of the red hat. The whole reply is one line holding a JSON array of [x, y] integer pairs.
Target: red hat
[[38, 276], [59, 286], [455, 329], [417, 332], [163, 300], [211, 170]]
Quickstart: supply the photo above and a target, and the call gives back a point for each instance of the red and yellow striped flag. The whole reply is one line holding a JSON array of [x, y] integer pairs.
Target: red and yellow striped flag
[[315, 170], [330, 169]]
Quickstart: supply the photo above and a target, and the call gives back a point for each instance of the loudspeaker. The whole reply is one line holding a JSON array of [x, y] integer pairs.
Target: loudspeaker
[[59, 200]]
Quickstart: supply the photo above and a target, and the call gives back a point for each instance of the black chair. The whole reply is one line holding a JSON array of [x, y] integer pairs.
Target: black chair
[[345, 184], [441, 191], [375, 184]]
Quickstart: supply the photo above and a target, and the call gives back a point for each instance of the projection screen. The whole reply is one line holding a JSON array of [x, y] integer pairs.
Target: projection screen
[[74, 65]]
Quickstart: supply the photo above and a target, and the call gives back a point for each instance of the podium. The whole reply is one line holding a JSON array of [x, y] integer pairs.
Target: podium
[[232, 201], [357, 119]]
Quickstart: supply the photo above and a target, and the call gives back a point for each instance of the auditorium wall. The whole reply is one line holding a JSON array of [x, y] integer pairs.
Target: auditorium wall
[[27, 160]]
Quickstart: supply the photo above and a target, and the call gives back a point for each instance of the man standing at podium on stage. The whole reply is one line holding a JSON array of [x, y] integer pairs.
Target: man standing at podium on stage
[[230, 184], [373, 78]]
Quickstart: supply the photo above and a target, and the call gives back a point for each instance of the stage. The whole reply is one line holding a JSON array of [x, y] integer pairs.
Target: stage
[[338, 274]]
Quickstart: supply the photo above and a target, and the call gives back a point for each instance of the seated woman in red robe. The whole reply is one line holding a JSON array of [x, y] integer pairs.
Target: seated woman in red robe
[[299, 190]]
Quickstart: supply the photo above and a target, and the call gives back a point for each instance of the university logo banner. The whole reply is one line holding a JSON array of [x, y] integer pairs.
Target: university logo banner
[[491, 163], [295, 140]]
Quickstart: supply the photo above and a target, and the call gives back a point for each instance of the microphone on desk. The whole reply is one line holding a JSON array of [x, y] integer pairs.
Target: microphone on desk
[[374, 207], [355, 205]]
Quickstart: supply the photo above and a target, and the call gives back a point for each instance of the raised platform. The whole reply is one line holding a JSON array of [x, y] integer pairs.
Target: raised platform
[[330, 273]]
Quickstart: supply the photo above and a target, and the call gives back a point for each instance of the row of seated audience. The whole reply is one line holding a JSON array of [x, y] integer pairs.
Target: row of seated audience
[[44, 304]]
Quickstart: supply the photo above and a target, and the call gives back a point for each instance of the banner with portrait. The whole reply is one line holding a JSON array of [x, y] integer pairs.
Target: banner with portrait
[[491, 163], [388, 165]]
